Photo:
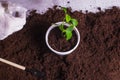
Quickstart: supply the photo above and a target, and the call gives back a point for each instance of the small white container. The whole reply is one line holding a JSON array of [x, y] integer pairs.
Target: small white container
[[57, 25]]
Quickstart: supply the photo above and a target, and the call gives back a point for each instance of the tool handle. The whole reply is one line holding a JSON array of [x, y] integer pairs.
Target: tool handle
[[12, 64], [32, 71]]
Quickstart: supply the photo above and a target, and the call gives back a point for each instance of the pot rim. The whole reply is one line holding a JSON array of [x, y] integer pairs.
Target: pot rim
[[58, 52]]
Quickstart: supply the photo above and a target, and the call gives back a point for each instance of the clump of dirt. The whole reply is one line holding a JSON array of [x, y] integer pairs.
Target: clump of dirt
[[96, 58]]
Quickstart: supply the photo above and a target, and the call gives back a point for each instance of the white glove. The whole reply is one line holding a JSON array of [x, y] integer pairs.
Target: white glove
[[12, 18]]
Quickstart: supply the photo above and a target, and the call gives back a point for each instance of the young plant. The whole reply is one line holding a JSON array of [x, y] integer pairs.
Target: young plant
[[67, 32]]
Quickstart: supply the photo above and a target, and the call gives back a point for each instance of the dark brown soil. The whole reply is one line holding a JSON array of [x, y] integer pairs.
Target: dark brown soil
[[58, 42], [96, 58]]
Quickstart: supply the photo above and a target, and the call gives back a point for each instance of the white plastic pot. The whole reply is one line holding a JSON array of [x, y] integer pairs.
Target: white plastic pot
[[58, 52]]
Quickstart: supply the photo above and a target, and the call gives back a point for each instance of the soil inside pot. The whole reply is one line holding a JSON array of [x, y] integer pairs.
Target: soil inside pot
[[58, 42]]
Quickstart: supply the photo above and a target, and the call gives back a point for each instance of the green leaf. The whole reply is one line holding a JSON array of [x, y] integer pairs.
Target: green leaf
[[67, 18], [64, 9], [70, 28], [68, 34], [74, 22], [61, 27]]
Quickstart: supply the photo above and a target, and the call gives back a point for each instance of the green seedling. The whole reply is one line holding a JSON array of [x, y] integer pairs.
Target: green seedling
[[67, 32]]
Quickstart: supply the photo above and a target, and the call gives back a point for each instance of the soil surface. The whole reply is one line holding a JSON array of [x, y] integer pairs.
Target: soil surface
[[96, 58], [58, 42]]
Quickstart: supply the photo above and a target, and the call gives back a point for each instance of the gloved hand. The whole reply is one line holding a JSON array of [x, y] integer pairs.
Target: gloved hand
[[12, 18]]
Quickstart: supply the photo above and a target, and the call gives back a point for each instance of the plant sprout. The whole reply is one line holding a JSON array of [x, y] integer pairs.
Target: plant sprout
[[67, 32]]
